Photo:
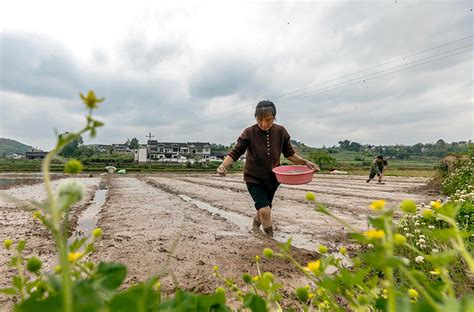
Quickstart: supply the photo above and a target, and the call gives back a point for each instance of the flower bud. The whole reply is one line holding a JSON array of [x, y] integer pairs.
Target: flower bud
[[71, 191], [323, 249], [97, 232], [412, 293], [310, 196], [302, 294], [267, 252], [73, 166], [7, 243], [408, 206], [428, 214], [34, 264], [220, 291], [247, 278]]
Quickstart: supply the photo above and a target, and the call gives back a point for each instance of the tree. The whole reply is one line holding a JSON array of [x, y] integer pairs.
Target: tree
[[344, 144], [134, 144], [85, 151], [322, 158], [72, 148]]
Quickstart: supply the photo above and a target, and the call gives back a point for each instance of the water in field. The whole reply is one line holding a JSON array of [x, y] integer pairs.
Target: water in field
[[7, 181], [245, 224], [88, 219]]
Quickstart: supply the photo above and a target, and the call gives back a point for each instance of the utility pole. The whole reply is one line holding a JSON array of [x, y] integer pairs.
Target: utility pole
[[149, 136]]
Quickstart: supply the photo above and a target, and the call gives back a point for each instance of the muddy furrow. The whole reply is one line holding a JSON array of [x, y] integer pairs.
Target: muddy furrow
[[291, 218], [368, 194], [156, 232]]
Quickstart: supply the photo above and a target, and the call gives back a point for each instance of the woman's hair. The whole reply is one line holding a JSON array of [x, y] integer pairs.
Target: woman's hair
[[265, 107]]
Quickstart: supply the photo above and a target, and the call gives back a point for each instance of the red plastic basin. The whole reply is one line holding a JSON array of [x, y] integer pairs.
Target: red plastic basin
[[293, 174]]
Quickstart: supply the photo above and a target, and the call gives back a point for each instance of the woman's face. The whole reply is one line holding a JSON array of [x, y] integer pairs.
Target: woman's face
[[265, 122]]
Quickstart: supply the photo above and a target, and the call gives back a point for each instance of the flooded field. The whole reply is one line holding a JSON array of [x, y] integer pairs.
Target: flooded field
[[186, 223]]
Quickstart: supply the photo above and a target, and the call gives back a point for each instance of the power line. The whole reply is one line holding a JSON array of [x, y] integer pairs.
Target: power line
[[333, 87], [245, 108]]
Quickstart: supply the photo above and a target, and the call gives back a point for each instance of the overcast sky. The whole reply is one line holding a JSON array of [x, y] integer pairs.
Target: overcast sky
[[377, 72]]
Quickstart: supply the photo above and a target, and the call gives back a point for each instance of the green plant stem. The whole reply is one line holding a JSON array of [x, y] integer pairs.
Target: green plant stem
[[298, 266], [425, 293], [324, 210], [59, 236], [389, 270], [19, 267], [458, 242]]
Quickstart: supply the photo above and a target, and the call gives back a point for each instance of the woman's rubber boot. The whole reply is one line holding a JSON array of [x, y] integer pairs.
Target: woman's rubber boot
[[269, 231], [256, 224]]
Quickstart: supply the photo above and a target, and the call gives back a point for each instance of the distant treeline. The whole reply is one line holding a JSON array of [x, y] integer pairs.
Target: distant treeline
[[438, 149]]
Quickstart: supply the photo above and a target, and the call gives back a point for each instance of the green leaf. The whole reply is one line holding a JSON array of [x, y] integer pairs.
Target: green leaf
[[8, 291], [377, 222], [358, 237], [32, 304], [255, 303], [77, 244], [443, 234], [21, 245], [442, 259], [97, 124], [450, 210], [467, 303], [110, 275], [17, 282], [137, 298], [86, 297]]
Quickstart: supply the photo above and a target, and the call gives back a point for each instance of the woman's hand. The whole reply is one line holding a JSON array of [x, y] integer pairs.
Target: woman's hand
[[222, 170], [312, 166]]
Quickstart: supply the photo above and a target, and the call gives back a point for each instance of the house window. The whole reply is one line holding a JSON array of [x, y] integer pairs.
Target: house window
[[161, 150]]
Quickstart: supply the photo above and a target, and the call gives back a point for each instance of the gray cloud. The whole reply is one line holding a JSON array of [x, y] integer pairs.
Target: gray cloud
[[158, 79], [35, 65]]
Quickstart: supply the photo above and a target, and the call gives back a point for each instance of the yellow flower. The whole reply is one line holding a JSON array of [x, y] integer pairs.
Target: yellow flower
[[314, 266], [436, 204], [374, 234], [377, 205], [73, 256], [257, 258], [436, 271], [399, 239], [256, 278], [90, 100], [36, 214], [412, 293], [310, 196], [216, 268], [310, 296]]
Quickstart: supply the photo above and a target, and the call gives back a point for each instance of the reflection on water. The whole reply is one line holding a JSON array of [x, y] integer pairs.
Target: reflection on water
[[88, 219]]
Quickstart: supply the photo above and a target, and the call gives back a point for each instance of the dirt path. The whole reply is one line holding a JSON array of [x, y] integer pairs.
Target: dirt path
[[183, 224]]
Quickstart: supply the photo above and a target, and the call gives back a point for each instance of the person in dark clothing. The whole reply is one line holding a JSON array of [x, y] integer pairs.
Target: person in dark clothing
[[264, 142], [377, 168]]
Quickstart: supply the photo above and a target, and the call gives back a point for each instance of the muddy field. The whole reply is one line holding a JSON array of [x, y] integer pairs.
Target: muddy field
[[183, 224]]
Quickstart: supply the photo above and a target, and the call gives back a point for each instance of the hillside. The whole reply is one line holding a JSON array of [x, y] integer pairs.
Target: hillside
[[9, 147]]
